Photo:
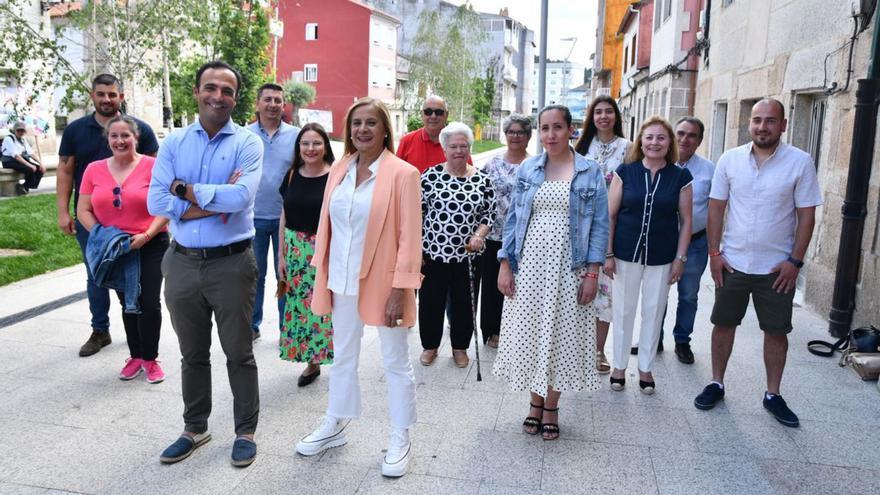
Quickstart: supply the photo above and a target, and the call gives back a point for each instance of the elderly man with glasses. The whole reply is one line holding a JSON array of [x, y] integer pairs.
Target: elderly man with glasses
[[421, 147]]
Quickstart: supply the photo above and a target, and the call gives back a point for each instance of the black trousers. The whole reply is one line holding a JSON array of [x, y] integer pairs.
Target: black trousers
[[31, 178], [442, 279], [142, 331], [492, 301]]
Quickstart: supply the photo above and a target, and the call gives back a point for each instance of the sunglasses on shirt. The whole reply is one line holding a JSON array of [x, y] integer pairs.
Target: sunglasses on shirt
[[433, 111], [117, 197]]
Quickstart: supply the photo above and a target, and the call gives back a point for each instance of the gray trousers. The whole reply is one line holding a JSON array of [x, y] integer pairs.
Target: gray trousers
[[194, 289]]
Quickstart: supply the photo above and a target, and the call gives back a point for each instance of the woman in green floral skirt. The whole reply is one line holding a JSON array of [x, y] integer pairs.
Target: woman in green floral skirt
[[305, 337]]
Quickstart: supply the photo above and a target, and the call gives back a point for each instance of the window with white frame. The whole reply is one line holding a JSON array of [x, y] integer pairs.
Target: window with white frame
[[311, 31], [719, 130], [667, 9], [311, 72]]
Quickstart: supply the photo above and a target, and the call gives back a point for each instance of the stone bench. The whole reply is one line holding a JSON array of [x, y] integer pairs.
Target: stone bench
[[9, 178]]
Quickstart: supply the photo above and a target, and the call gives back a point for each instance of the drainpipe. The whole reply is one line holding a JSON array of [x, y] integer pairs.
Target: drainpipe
[[542, 69], [854, 208]]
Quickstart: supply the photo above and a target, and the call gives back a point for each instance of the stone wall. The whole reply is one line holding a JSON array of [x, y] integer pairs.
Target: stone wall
[[778, 48]]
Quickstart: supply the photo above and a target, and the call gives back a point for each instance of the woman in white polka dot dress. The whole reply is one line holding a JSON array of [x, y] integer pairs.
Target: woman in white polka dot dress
[[458, 208], [553, 246]]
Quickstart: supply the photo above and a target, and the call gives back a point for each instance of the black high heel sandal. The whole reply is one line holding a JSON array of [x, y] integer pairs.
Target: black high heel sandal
[[533, 422], [550, 428]]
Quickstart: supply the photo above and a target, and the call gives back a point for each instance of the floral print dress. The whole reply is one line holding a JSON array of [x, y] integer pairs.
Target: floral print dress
[[609, 155]]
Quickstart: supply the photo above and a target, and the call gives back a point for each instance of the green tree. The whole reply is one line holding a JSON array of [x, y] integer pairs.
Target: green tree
[[122, 37], [484, 94], [299, 94], [236, 32], [446, 58]]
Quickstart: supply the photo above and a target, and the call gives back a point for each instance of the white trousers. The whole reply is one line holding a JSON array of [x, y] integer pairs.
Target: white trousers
[[344, 399], [630, 281]]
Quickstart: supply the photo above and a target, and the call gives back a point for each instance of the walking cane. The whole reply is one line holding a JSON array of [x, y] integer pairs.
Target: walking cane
[[473, 309]]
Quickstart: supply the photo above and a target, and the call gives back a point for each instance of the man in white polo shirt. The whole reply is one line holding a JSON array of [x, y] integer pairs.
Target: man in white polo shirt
[[770, 192]]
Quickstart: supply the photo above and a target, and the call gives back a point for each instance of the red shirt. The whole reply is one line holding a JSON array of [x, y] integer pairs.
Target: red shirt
[[418, 150], [131, 216]]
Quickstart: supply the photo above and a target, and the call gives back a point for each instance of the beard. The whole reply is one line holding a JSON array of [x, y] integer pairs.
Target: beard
[[768, 142], [104, 113]]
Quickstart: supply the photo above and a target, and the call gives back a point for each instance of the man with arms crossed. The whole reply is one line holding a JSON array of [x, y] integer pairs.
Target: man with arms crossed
[[82, 143], [278, 138], [205, 180], [771, 192]]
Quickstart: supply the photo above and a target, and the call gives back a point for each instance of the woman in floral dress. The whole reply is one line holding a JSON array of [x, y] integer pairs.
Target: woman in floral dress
[[502, 172], [602, 140], [305, 337]]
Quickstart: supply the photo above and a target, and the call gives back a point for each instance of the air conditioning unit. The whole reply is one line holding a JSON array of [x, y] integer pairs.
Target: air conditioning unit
[[297, 76]]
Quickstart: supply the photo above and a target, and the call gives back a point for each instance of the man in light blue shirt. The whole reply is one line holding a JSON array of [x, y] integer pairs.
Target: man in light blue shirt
[[205, 180], [278, 143], [689, 135]]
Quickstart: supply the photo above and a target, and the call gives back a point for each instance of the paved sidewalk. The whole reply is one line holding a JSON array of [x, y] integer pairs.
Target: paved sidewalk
[[72, 426]]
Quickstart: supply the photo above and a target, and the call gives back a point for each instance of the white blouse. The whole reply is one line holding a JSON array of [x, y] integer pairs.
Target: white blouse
[[349, 214]]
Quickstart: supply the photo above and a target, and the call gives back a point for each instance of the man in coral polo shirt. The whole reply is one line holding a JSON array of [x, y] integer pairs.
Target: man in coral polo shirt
[[421, 147]]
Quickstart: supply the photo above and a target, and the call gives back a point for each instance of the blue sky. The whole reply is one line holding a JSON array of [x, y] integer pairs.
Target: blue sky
[[566, 19]]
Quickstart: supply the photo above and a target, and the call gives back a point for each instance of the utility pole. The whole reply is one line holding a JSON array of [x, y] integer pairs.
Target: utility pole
[[542, 68]]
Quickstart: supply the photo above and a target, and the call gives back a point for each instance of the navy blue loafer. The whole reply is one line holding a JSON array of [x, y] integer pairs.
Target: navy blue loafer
[[244, 451], [183, 447]]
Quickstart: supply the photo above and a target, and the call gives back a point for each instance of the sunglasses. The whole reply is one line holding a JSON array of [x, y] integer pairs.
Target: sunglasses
[[117, 197], [433, 111]]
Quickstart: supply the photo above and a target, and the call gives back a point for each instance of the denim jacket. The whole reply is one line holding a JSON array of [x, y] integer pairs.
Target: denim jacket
[[114, 265], [588, 211]]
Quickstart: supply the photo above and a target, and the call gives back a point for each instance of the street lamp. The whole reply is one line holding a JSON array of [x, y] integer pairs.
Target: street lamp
[[566, 69]]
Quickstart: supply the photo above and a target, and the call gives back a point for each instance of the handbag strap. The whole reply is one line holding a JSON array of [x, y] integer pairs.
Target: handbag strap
[[818, 347]]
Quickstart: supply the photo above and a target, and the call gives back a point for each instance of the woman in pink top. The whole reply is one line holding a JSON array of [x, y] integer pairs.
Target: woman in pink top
[[114, 193]]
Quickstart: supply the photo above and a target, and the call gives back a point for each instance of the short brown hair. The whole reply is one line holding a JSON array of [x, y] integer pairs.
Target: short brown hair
[[635, 151], [384, 116]]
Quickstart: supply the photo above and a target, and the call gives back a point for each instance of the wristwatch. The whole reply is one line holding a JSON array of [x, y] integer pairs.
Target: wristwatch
[[796, 262], [180, 190], [684, 259]]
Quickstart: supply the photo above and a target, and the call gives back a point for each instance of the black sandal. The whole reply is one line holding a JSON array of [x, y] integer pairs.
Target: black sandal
[[532, 421], [550, 428]]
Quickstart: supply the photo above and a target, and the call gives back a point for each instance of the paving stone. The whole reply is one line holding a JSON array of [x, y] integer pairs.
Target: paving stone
[[742, 434], [838, 443], [376, 484], [792, 478], [642, 425], [491, 456], [680, 472], [578, 467], [274, 474]]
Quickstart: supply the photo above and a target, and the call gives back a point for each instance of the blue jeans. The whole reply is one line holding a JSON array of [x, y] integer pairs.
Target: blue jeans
[[689, 288], [99, 298], [267, 230]]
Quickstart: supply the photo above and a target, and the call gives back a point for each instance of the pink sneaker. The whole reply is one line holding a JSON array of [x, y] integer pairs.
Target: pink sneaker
[[154, 372], [132, 368]]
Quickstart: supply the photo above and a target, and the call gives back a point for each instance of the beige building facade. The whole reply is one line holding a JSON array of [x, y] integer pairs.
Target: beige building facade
[[798, 52]]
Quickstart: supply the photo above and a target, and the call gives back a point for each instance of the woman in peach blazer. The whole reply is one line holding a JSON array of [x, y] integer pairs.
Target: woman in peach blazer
[[368, 255]]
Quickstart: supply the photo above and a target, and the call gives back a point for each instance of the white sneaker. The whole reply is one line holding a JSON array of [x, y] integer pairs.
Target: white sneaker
[[397, 457], [330, 434]]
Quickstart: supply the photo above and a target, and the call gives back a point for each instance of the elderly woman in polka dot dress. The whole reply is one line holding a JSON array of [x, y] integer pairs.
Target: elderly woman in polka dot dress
[[458, 208]]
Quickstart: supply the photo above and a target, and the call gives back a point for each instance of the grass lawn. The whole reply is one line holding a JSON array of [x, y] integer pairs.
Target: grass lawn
[[481, 146], [30, 223]]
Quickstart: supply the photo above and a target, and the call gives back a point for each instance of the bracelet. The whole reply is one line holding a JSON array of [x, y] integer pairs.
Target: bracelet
[[609, 255], [147, 235], [592, 275], [716, 253]]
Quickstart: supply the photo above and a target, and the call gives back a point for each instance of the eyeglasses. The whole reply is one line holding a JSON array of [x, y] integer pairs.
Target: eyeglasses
[[433, 111], [516, 133], [117, 197]]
